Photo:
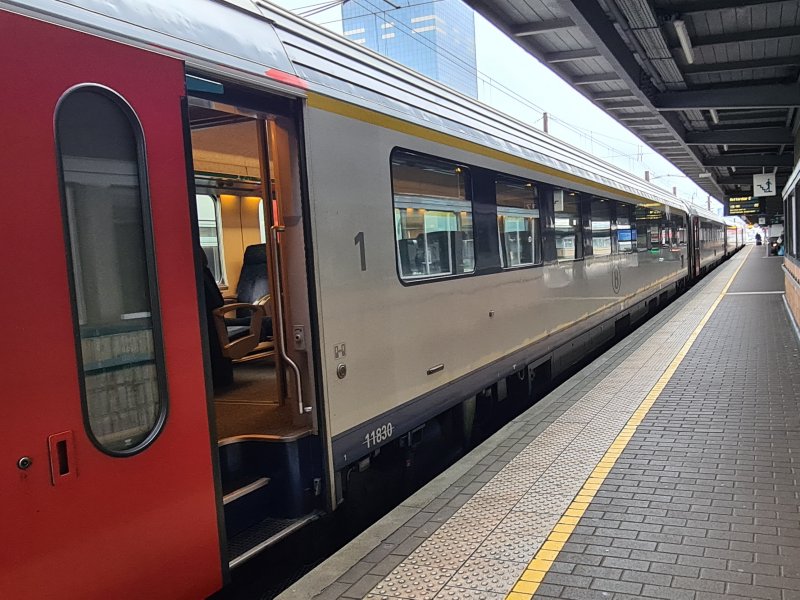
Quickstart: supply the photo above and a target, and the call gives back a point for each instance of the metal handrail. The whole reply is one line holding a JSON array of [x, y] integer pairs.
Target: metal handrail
[[275, 230]]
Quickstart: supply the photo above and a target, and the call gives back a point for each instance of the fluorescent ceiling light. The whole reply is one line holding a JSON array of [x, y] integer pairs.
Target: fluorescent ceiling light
[[714, 116], [705, 175], [683, 38]]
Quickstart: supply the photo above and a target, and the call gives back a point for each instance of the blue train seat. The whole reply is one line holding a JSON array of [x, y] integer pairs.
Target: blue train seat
[[248, 335]]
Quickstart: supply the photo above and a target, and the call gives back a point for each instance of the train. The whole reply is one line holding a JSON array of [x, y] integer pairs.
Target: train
[[254, 253]]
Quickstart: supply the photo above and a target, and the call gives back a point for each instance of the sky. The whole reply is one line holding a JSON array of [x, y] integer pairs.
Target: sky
[[511, 80]]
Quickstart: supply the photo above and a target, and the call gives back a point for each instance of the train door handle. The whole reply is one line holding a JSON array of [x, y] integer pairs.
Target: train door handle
[[62, 457], [276, 230]]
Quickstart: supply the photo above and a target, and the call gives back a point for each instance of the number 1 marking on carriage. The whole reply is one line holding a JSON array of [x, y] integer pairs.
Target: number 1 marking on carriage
[[359, 240]]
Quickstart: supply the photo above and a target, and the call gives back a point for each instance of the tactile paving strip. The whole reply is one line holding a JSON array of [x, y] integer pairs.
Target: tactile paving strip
[[482, 550]]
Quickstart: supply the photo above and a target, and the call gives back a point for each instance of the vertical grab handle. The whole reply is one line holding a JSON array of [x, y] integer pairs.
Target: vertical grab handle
[[62, 457], [275, 230]]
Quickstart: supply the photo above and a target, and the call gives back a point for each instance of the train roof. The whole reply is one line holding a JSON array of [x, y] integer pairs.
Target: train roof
[[337, 67], [735, 220], [263, 44], [705, 213]]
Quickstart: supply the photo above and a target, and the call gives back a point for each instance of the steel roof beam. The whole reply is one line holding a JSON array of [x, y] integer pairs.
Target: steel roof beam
[[703, 69], [621, 104], [746, 179], [595, 25], [571, 55], [539, 27], [602, 33], [745, 36], [613, 95], [642, 118], [753, 96], [749, 160], [595, 78], [701, 6], [749, 124], [779, 114], [742, 137]]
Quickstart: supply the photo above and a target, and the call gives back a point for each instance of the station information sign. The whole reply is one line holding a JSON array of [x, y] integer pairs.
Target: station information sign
[[742, 205]]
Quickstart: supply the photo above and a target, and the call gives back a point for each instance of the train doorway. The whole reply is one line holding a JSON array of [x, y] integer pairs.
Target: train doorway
[[250, 228]]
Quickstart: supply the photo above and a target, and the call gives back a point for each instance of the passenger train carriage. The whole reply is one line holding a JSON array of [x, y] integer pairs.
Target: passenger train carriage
[[249, 254]]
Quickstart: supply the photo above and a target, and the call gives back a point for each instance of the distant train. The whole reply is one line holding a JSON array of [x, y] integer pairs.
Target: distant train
[[244, 254]]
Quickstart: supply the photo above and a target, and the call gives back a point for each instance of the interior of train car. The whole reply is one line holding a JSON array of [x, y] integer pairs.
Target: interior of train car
[[246, 184]]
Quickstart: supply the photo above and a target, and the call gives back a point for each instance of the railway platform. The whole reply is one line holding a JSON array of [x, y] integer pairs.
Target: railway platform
[[667, 468]]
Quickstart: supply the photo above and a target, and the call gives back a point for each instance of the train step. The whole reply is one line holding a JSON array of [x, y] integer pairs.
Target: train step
[[245, 504], [263, 534], [290, 467], [245, 489]]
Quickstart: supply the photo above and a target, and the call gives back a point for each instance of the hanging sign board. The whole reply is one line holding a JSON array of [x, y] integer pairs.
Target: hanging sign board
[[764, 185]]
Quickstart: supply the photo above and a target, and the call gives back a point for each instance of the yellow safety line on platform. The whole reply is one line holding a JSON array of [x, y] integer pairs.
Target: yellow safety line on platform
[[532, 577]]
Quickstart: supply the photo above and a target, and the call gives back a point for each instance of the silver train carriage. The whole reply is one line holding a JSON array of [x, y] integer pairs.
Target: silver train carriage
[[337, 250]]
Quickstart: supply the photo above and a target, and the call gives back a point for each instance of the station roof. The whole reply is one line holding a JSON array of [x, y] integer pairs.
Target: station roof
[[712, 85]]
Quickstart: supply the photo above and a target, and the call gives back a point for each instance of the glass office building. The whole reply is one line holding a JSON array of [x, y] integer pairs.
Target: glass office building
[[435, 38]]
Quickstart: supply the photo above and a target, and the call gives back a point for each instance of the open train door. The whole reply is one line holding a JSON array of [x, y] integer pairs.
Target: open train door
[[106, 464]]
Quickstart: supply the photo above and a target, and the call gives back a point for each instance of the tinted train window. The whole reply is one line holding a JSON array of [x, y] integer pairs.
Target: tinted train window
[[601, 226], [518, 222], [432, 217], [208, 221], [679, 229], [626, 229], [569, 242], [649, 218], [110, 253]]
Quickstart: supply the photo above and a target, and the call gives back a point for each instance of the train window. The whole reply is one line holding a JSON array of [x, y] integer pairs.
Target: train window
[[110, 254], [649, 218], [208, 221], [601, 217], [262, 227], [569, 241], [518, 222], [678, 229], [432, 217], [626, 229]]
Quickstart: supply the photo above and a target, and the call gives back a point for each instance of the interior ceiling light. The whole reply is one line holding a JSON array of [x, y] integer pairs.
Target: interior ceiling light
[[683, 38], [714, 116]]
